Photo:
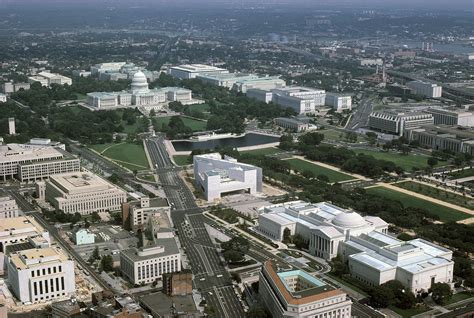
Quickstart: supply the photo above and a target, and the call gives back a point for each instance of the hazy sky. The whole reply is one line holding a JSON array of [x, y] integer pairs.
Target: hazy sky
[[454, 4]]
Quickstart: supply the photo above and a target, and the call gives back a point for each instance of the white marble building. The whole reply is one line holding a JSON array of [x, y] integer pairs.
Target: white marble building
[[217, 175]]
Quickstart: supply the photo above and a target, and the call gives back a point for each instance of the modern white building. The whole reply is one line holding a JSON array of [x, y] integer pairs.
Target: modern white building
[[397, 122], [31, 162], [138, 95], [188, 71], [429, 90], [10, 87], [302, 100], [371, 62], [452, 117], [296, 293], [81, 192], [3, 98], [338, 102], [323, 225], [83, 236], [8, 208], [11, 126], [41, 275], [376, 258], [217, 175], [47, 78], [146, 265], [227, 80]]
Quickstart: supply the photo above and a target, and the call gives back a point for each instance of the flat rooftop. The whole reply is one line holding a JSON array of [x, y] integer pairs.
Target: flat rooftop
[[80, 182], [20, 224], [11, 153], [197, 68], [37, 257], [169, 244], [159, 304]]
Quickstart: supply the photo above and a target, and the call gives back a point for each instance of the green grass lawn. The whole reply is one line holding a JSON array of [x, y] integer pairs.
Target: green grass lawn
[[334, 134], [129, 155], [334, 176], [445, 214], [182, 160], [406, 162], [195, 125], [200, 107], [262, 151], [409, 312], [460, 296], [437, 193], [462, 174]]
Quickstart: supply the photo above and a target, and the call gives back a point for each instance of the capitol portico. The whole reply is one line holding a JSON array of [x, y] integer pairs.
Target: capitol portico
[[139, 95]]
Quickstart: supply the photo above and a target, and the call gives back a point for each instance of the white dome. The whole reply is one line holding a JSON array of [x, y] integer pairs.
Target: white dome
[[349, 219], [139, 82]]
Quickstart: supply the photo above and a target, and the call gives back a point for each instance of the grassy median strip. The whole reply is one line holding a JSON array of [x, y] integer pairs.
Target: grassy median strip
[[445, 214], [436, 193], [334, 176]]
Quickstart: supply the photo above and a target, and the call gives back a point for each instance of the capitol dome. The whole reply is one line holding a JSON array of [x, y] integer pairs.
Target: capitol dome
[[349, 219], [139, 83]]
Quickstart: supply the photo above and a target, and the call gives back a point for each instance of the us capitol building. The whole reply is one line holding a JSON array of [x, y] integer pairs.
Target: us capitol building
[[139, 95]]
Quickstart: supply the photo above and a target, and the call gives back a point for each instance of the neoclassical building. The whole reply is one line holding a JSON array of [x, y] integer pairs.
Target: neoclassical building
[[138, 95]]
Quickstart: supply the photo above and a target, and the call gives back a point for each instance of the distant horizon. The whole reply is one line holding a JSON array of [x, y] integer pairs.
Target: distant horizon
[[455, 5]]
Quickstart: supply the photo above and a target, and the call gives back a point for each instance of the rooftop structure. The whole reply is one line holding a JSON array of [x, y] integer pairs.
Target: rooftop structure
[[376, 258], [28, 162], [47, 79], [83, 192], [188, 71], [19, 230], [295, 293], [217, 175], [41, 275], [322, 224], [397, 122], [137, 214]]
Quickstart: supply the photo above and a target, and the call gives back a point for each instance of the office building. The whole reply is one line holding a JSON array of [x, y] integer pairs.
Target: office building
[[47, 79], [3, 98], [147, 264], [293, 124], [41, 275], [396, 123], [442, 137], [107, 67], [10, 87], [242, 82], [452, 117], [429, 90], [176, 284], [20, 230], [82, 192], [138, 95], [67, 308], [188, 71], [259, 94], [295, 293], [338, 102], [227, 80], [323, 225], [116, 307], [83, 236], [217, 175], [8, 208], [302, 100], [11, 126], [376, 258], [371, 62], [28, 162], [137, 214], [81, 73]]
